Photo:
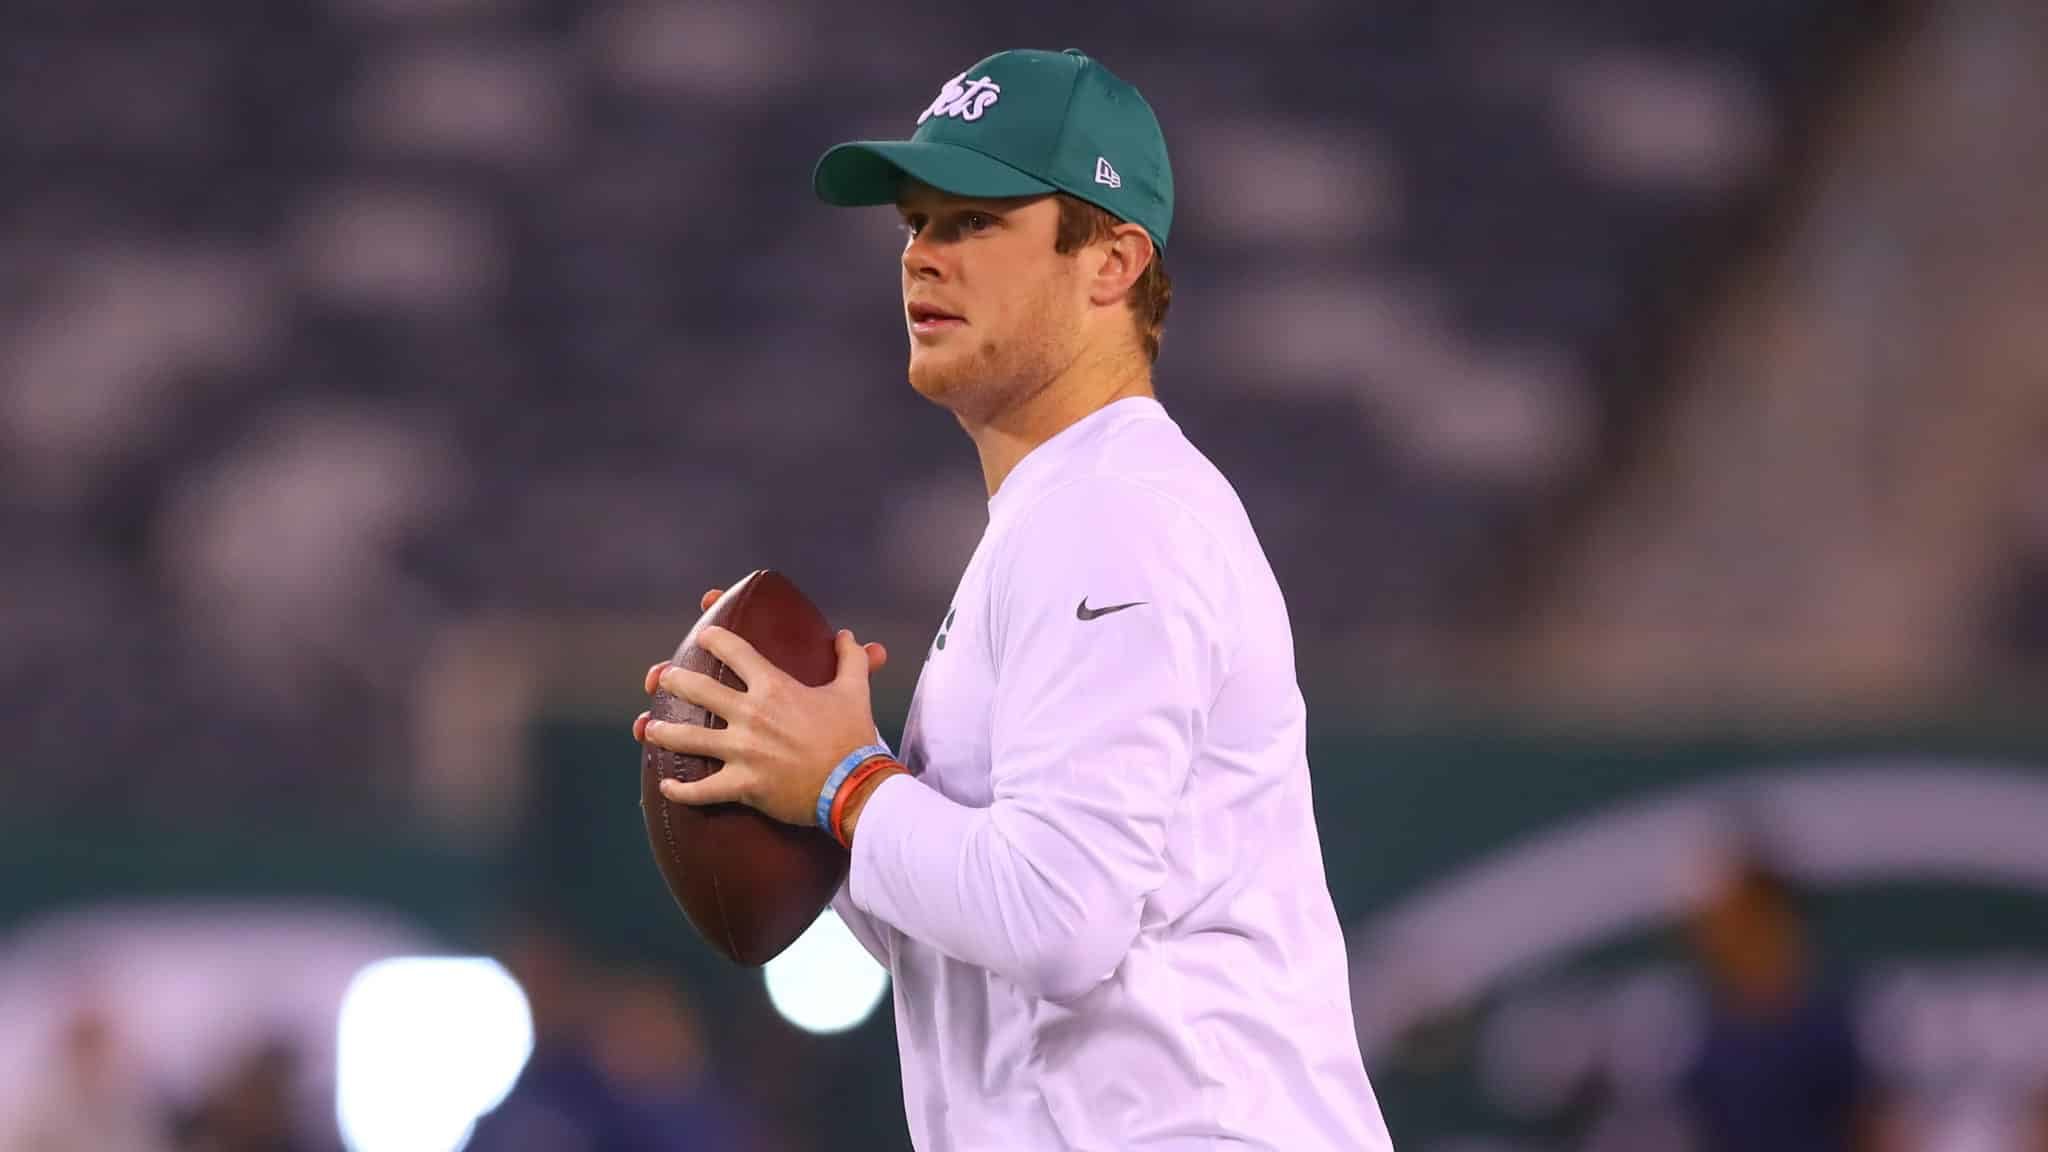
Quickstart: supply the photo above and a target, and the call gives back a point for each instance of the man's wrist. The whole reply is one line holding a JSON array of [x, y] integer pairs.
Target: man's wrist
[[836, 790], [858, 801]]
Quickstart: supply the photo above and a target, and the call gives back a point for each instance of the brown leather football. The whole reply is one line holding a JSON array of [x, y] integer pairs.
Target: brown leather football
[[750, 884]]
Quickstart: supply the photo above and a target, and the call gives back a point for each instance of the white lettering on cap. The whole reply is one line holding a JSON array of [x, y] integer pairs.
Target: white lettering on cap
[[964, 98]]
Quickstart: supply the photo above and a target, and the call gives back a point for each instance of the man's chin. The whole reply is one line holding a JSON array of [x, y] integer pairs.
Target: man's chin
[[933, 378]]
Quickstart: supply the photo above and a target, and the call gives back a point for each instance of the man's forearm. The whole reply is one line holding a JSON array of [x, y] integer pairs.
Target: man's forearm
[[1010, 888]]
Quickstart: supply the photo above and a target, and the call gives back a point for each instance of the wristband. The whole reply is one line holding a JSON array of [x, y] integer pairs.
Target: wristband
[[870, 768], [854, 759]]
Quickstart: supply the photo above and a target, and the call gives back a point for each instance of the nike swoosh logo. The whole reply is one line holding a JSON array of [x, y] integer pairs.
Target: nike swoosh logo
[[1083, 612]]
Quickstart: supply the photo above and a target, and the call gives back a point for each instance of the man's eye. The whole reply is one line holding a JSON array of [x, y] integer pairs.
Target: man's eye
[[976, 222], [912, 225]]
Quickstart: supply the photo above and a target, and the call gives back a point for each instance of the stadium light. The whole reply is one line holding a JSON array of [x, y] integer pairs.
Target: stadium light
[[825, 982], [425, 1046]]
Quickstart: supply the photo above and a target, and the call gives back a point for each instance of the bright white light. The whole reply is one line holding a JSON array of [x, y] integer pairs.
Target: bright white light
[[426, 1045], [825, 982]]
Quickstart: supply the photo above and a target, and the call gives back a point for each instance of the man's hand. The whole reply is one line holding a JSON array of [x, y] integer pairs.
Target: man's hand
[[782, 738]]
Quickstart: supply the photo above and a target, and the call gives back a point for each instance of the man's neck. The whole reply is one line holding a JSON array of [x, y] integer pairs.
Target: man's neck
[[1083, 389]]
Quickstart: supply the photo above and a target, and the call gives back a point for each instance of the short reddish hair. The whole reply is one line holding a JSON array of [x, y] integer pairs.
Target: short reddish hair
[[1081, 224]]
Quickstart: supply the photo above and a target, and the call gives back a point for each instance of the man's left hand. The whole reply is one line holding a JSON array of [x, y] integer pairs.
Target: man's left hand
[[782, 738]]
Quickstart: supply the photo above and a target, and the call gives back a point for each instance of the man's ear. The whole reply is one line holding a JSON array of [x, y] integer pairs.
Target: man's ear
[[1124, 258]]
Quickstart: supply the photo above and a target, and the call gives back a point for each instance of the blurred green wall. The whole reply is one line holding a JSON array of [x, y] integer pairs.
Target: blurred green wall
[[1396, 812]]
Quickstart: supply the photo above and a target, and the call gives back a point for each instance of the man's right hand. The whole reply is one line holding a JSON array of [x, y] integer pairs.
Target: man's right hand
[[877, 655]]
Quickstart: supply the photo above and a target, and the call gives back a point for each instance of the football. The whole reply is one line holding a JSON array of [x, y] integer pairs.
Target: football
[[749, 884]]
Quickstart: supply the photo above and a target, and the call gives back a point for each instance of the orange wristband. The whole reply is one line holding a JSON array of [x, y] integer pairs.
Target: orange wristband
[[848, 787]]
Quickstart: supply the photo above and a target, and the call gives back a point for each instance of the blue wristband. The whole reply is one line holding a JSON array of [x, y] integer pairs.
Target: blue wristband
[[854, 759]]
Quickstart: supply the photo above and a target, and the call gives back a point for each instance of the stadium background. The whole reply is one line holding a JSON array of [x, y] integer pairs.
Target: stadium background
[[1643, 405]]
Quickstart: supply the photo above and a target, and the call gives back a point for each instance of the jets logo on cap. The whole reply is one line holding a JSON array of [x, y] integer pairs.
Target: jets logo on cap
[[964, 98]]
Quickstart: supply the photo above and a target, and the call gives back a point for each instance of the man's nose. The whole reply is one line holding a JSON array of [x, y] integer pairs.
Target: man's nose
[[920, 259]]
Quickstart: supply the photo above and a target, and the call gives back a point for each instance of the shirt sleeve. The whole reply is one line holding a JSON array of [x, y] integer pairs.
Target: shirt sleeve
[[864, 928], [1111, 612]]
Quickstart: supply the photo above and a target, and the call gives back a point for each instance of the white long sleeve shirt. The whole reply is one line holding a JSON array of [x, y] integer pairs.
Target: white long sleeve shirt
[[1101, 898]]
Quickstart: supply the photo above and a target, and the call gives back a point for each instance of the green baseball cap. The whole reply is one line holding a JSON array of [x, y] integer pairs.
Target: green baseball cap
[[1022, 123]]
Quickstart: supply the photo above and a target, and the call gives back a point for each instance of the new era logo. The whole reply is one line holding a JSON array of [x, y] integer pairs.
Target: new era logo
[[964, 98], [1104, 174]]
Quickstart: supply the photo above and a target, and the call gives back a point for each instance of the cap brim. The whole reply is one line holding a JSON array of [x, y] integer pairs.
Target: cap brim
[[868, 172]]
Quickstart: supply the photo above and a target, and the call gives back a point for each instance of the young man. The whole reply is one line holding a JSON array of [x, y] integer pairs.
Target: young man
[[1095, 875]]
